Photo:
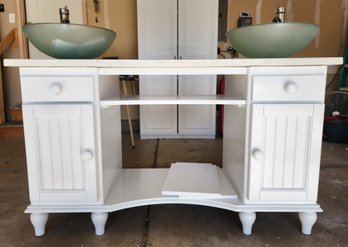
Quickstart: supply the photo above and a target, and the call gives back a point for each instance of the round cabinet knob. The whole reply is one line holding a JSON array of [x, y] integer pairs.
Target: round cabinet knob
[[87, 155], [258, 154], [56, 88], [291, 87]]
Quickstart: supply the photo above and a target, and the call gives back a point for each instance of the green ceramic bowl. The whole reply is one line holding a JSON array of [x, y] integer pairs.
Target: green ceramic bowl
[[69, 41], [274, 40]]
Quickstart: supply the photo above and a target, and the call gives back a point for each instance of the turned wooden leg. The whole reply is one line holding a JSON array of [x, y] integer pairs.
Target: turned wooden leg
[[99, 221], [39, 222], [247, 219], [307, 220]]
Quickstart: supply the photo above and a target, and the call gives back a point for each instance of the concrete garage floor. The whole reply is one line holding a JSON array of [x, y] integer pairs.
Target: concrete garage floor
[[173, 225]]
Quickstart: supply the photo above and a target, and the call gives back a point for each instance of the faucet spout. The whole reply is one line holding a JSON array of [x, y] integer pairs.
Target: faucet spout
[[64, 14], [280, 14]]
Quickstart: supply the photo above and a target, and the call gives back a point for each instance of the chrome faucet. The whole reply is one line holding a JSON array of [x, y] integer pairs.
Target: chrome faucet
[[64, 14], [280, 14]]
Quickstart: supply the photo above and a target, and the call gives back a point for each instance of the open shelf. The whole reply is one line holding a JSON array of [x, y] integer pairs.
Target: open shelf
[[173, 100], [138, 187]]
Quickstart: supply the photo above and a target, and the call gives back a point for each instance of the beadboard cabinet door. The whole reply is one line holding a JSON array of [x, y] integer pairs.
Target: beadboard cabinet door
[[285, 152], [61, 153]]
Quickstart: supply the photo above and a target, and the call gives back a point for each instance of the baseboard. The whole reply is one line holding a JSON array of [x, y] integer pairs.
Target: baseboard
[[11, 131]]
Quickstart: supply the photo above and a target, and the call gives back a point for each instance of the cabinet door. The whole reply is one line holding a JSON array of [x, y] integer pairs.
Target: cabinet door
[[158, 120], [198, 29], [61, 153], [285, 151], [197, 120], [157, 29]]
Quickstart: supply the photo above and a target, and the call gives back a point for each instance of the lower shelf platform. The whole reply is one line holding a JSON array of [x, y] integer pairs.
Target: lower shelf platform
[[141, 187]]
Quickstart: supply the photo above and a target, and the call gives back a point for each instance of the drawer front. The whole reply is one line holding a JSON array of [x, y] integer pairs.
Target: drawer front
[[288, 88], [57, 89]]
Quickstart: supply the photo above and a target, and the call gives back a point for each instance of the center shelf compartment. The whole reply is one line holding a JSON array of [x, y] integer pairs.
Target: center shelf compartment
[[139, 187]]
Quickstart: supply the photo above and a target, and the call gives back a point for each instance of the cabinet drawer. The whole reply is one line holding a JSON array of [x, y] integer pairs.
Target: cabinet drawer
[[287, 88], [55, 88]]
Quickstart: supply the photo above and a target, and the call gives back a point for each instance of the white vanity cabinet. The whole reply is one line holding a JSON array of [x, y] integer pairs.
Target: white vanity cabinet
[[286, 120], [177, 29], [273, 118], [61, 141]]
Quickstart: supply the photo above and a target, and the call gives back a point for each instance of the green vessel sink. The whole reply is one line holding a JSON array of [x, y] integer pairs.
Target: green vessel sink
[[69, 41], [274, 40]]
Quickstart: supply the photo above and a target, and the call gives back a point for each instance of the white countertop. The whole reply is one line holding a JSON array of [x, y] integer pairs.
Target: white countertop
[[135, 63]]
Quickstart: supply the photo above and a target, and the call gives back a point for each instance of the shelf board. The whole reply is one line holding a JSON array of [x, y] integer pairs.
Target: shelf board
[[173, 100], [192, 180], [139, 187]]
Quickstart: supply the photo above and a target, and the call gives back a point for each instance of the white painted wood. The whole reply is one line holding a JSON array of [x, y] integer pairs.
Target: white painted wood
[[70, 80], [234, 146], [284, 134], [197, 29], [192, 180], [247, 219], [173, 29], [61, 133], [174, 71], [236, 86], [197, 40], [111, 143], [235, 132], [108, 86], [67, 88], [158, 120], [108, 128], [288, 88], [198, 120], [285, 179], [39, 221], [157, 29], [173, 100], [157, 39], [307, 221], [158, 85], [140, 187], [300, 65], [99, 221], [227, 191]]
